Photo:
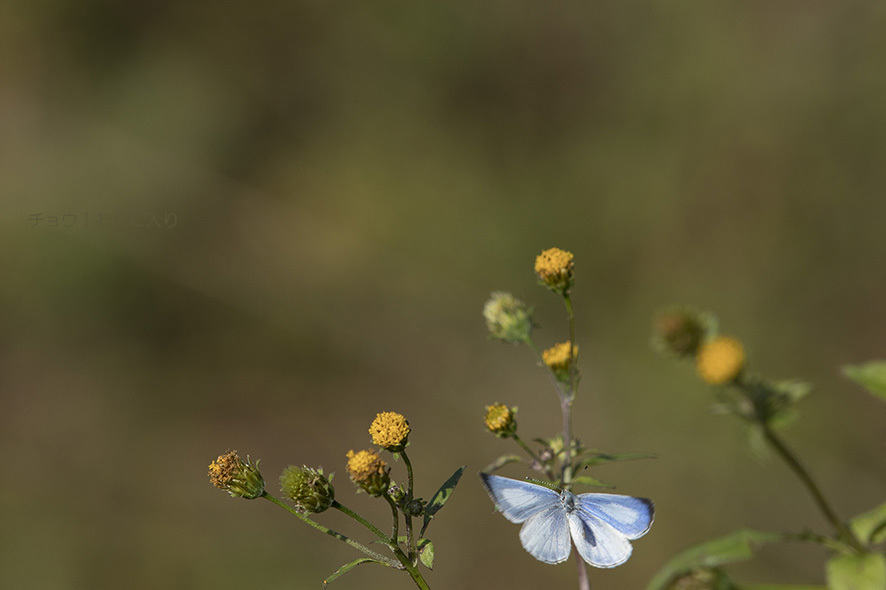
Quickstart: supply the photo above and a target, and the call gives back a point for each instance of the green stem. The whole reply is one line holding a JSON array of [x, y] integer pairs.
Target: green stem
[[380, 558], [395, 517], [406, 516], [384, 538], [794, 463], [405, 562], [532, 455]]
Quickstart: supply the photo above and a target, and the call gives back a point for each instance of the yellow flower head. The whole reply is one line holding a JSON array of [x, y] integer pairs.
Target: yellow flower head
[[238, 478], [368, 472], [559, 359], [554, 269], [389, 430], [720, 360], [500, 420]]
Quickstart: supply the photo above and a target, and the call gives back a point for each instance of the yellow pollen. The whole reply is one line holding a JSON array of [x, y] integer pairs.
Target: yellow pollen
[[558, 356], [363, 465], [389, 429], [553, 262]]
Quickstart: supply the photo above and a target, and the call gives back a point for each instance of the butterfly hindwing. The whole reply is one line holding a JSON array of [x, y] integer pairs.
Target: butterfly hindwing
[[545, 535]]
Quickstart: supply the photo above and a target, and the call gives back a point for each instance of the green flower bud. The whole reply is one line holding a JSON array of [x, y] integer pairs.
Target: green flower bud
[[308, 488], [508, 318], [681, 331]]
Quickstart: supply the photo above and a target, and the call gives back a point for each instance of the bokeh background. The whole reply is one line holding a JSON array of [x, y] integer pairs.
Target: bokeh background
[[275, 219]]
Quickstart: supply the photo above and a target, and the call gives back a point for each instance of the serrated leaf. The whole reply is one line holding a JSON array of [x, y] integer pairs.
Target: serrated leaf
[[440, 498], [426, 553], [587, 480], [871, 376], [870, 526], [501, 462], [735, 547], [857, 572], [348, 567]]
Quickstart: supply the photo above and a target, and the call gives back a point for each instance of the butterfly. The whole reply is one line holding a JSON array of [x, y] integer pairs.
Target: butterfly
[[600, 525]]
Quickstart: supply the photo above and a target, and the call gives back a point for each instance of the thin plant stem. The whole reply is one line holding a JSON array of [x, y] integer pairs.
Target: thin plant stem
[[407, 517], [404, 560], [533, 456], [342, 508], [356, 545], [566, 400], [395, 517], [800, 471], [584, 583]]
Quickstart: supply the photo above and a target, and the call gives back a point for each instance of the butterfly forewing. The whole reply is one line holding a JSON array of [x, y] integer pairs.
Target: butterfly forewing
[[518, 500], [628, 515]]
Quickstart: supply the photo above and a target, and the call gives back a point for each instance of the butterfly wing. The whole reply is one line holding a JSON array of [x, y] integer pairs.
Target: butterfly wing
[[630, 516], [602, 524], [545, 532], [518, 500], [545, 535]]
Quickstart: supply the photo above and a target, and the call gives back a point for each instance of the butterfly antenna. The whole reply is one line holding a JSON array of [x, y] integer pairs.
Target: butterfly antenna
[[569, 485], [548, 484]]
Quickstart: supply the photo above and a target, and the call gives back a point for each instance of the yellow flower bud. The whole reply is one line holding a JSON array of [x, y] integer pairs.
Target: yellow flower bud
[[554, 269], [390, 430], [369, 472], [720, 361]]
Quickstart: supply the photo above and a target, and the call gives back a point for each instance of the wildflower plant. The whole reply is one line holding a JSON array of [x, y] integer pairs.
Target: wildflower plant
[[311, 492], [560, 461], [765, 406]]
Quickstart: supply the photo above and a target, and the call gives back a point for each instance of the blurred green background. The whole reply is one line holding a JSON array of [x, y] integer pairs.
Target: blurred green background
[[330, 192]]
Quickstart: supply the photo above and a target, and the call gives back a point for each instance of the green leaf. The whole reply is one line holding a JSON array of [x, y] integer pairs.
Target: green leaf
[[501, 462], [857, 572], [870, 526], [348, 567], [440, 498], [587, 480], [426, 553], [734, 547], [782, 587], [871, 376]]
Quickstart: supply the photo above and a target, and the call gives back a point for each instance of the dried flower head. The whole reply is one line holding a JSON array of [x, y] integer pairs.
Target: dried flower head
[[720, 360], [390, 430], [681, 331], [308, 488], [501, 420], [238, 478], [507, 317], [554, 269], [368, 472]]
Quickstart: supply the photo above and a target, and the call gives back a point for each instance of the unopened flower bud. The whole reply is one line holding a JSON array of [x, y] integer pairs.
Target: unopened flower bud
[[720, 361], [308, 488], [507, 317]]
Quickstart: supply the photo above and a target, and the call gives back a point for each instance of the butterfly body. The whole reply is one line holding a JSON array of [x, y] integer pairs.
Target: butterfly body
[[600, 526]]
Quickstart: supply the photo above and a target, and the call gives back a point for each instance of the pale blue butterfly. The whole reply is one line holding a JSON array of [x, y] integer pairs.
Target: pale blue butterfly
[[601, 525]]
